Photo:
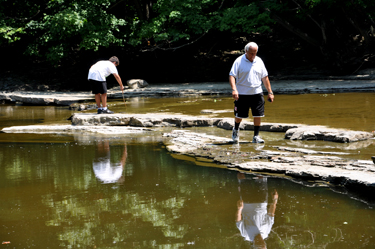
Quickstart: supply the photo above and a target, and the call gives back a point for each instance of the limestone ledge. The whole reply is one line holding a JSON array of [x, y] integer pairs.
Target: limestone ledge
[[296, 163], [71, 129], [293, 131]]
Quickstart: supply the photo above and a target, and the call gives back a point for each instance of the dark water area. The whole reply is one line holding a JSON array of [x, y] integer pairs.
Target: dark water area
[[59, 195], [92, 191]]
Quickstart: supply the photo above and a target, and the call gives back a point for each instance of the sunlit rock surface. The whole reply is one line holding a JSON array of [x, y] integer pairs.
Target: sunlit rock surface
[[60, 129], [297, 163], [293, 131], [327, 134]]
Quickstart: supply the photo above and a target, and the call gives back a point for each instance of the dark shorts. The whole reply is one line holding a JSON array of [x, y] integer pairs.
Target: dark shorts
[[98, 86], [252, 191], [246, 102]]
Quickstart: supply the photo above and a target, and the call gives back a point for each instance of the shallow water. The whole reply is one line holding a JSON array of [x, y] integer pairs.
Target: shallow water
[[53, 196], [61, 190]]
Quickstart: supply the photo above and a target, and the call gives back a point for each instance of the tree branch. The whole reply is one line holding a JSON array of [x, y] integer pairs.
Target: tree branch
[[173, 48], [293, 29]]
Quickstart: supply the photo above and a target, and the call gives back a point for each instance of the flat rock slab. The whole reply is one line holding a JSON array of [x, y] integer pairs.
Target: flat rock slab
[[46, 98], [328, 168], [62, 129], [293, 131], [327, 134], [162, 120]]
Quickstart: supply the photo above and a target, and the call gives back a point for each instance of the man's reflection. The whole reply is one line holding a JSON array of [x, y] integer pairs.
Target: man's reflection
[[105, 170], [253, 219]]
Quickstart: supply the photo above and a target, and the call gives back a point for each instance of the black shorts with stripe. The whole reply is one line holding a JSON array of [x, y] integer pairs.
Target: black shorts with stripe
[[246, 102]]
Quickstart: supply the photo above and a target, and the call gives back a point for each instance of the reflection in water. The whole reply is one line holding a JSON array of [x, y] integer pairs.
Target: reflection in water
[[105, 170], [253, 219], [51, 198]]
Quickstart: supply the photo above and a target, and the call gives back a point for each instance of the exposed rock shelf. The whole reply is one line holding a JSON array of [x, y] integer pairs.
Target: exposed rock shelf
[[293, 131]]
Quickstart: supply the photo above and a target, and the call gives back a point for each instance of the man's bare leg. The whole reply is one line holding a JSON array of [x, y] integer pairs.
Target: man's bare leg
[[97, 99], [104, 100], [257, 121]]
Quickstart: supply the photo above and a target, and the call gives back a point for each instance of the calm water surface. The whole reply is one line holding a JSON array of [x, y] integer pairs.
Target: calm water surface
[[86, 191]]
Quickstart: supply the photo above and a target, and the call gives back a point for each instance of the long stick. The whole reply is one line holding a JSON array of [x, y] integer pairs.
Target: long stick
[[122, 91]]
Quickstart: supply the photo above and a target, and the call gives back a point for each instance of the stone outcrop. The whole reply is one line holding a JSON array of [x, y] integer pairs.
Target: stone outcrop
[[296, 163], [326, 134], [137, 83], [46, 98], [71, 129], [293, 131]]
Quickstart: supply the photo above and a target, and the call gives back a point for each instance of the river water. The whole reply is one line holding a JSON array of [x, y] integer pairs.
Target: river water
[[91, 191]]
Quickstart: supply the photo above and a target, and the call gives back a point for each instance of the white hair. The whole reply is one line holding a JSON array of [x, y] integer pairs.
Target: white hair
[[251, 44]]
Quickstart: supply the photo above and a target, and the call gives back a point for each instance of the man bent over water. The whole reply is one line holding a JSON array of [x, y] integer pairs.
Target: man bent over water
[[97, 77]]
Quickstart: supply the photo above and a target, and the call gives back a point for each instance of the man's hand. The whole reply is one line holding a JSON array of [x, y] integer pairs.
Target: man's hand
[[235, 94], [275, 195], [240, 204], [270, 97], [232, 82]]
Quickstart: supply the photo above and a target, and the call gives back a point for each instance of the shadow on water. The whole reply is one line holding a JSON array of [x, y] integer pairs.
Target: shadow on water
[[117, 193], [87, 191]]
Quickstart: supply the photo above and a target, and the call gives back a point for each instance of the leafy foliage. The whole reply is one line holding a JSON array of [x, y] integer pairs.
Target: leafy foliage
[[341, 30]]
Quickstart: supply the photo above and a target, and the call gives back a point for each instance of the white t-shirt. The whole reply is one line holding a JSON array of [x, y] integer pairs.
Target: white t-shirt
[[106, 171], [101, 70], [255, 221], [248, 75]]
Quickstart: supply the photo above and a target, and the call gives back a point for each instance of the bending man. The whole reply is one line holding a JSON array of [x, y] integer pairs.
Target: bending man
[[97, 77], [246, 77]]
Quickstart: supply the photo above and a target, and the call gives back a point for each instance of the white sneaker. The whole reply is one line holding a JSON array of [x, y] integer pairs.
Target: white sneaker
[[235, 135], [257, 139]]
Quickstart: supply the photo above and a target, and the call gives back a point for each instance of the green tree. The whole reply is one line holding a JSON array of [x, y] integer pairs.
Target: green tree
[[342, 31], [55, 28]]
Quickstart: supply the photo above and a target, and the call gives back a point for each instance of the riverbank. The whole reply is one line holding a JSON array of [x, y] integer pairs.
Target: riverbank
[[187, 89]]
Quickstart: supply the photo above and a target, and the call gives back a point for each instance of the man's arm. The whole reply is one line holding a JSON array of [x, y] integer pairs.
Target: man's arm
[[267, 84], [119, 80], [232, 82], [239, 210], [272, 206]]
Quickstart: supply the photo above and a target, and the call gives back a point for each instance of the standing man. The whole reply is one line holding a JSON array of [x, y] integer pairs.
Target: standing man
[[246, 77], [97, 77]]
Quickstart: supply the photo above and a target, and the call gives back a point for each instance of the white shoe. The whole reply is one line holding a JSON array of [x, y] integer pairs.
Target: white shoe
[[235, 135], [257, 139]]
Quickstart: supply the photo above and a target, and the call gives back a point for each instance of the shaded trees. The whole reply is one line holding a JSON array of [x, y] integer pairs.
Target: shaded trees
[[341, 31]]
